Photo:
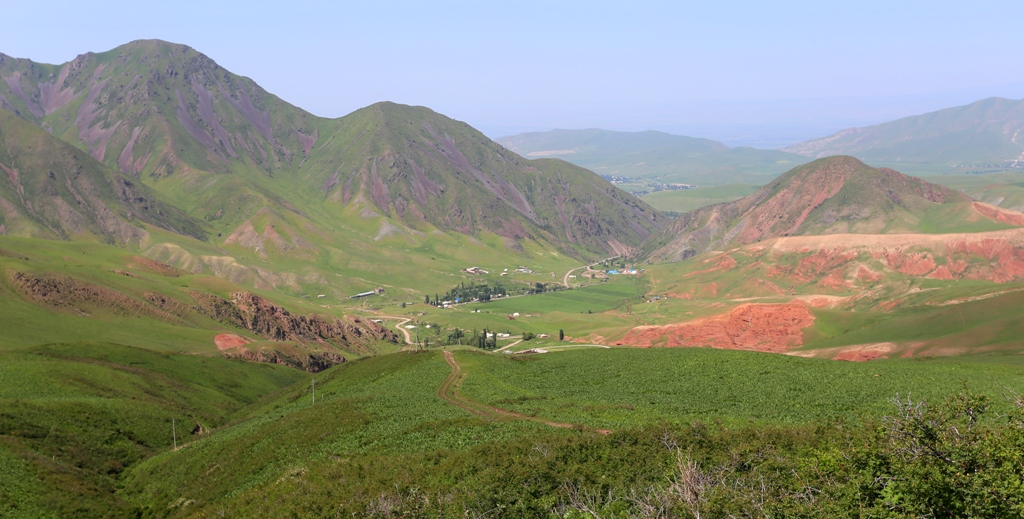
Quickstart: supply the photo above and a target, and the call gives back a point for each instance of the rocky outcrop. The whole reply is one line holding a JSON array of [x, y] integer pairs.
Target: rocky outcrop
[[311, 361], [271, 321]]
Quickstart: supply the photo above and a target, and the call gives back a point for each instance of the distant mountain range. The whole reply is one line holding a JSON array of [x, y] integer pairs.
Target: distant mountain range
[[651, 154], [983, 136]]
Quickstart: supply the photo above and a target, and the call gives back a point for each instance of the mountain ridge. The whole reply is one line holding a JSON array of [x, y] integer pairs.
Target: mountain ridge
[[225, 151], [833, 195], [989, 130]]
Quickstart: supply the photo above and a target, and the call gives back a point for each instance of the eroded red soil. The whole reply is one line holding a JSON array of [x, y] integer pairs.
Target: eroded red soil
[[722, 264], [226, 341], [999, 215], [865, 352], [757, 327], [866, 275], [835, 281], [911, 264], [823, 260]]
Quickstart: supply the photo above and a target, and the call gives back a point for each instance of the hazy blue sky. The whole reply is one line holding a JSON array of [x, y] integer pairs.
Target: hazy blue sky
[[742, 72]]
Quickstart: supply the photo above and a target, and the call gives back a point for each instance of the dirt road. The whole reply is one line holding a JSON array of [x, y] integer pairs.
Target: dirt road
[[449, 392], [565, 278], [400, 326], [507, 346]]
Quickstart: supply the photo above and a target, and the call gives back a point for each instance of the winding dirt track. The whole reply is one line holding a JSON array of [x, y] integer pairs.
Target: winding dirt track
[[449, 392], [565, 278], [402, 321]]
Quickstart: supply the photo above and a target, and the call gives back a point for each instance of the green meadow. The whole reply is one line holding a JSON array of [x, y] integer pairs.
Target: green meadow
[[683, 200]]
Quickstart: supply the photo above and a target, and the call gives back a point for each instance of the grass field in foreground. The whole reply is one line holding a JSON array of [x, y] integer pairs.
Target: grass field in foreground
[[74, 416], [373, 413], [382, 405], [624, 388]]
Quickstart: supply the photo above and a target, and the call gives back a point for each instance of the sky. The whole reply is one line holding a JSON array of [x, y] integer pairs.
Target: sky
[[760, 73]]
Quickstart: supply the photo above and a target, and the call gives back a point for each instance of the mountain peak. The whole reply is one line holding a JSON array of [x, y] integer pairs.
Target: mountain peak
[[833, 195]]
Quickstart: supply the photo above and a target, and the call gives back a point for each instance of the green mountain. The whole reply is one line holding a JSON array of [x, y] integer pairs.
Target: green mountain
[[287, 200], [983, 136], [834, 195], [649, 154], [54, 190]]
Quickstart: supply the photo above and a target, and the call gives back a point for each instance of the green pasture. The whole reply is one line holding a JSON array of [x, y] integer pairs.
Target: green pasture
[[75, 416], [598, 308], [621, 388], [683, 200], [382, 405], [991, 325]]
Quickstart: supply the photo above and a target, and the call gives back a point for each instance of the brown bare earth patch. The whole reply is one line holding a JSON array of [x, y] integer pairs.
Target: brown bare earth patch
[[866, 275], [822, 301], [888, 306], [941, 273], [723, 263], [999, 214], [911, 264], [834, 281], [156, 267], [74, 295], [1006, 262], [865, 352], [891, 241], [823, 260], [854, 353], [757, 327], [225, 341]]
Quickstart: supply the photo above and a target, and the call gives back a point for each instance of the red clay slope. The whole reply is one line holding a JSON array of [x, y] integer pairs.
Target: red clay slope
[[775, 328]]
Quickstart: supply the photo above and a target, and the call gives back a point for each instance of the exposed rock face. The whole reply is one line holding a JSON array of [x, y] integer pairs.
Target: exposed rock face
[[311, 361], [246, 311], [83, 298], [273, 322]]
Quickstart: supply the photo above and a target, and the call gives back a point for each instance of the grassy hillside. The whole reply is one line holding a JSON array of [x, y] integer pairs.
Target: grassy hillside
[[367, 451], [75, 416], [54, 190], [56, 291], [655, 155], [222, 150]]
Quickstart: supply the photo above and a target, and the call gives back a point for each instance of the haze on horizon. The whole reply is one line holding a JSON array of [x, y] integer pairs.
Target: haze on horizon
[[744, 73]]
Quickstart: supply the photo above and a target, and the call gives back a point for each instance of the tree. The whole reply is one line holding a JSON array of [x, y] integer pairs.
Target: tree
[[403, 304], [427, 300], [561, 334]]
